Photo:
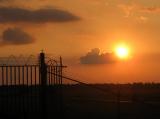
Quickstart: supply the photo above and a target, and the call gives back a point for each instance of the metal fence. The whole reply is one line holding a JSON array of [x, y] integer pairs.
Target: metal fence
[[31, 91]]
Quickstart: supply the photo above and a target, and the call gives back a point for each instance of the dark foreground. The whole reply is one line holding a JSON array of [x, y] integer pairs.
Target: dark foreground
[[106, 101], [113, 101]]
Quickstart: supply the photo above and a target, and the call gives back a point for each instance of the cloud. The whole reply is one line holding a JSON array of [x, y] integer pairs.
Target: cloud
[[15, 36], [143, 18], [94, 57], [10, 14], [138, 12], [150, 9], [130, 9]]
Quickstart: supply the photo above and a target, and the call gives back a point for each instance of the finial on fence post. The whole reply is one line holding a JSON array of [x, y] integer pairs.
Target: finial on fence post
[[42, 59], [42, 51]]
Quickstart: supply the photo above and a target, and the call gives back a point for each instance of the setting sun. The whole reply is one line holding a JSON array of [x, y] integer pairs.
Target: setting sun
[[122, 52]]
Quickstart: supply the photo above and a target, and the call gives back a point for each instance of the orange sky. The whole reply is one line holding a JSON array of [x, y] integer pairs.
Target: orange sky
[[100, 24]]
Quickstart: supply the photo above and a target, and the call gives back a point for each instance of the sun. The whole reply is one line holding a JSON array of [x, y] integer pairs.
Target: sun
[[122, 52]]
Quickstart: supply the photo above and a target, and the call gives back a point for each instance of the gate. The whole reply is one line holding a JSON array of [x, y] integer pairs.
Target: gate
[[31, 90]]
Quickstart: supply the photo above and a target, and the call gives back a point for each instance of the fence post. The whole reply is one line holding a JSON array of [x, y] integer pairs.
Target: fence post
[[43, 84]]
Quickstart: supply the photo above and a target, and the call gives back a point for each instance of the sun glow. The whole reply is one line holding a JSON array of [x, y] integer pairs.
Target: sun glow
[[122, 52]]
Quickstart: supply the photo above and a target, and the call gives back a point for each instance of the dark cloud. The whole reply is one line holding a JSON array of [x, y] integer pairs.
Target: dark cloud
[[94, 57], [15, 36], [9, 14]]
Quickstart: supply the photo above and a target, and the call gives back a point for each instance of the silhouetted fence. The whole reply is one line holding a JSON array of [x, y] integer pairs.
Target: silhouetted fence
[[30, 91]]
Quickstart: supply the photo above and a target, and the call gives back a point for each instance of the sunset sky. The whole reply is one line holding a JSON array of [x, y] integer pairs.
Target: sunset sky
[[76, 29]]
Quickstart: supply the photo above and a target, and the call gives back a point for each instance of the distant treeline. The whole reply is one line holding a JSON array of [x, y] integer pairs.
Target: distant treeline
[[139, 84]]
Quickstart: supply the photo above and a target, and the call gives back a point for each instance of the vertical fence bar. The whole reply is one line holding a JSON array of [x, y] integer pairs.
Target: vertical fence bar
[[15, 75], [35, 74], [31, 74], [15, 100], [18, 88], [39, 89], [23, 96], [35, 89], [58, 75], [11, 94], [27, 98], [27, 75], [54, 75], [2, 91], [2, 76], [11, 75], [31, 95], [39, 82], [23, 76], [7, 95], [61, 66], [51, 75], [19, 77], [7, 75]]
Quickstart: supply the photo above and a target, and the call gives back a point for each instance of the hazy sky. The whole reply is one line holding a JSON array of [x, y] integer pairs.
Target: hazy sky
[[72, 28], [99, 23]]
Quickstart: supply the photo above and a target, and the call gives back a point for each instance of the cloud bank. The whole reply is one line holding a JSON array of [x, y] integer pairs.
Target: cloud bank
[[10, 14], [94, 57], [15, 36]]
